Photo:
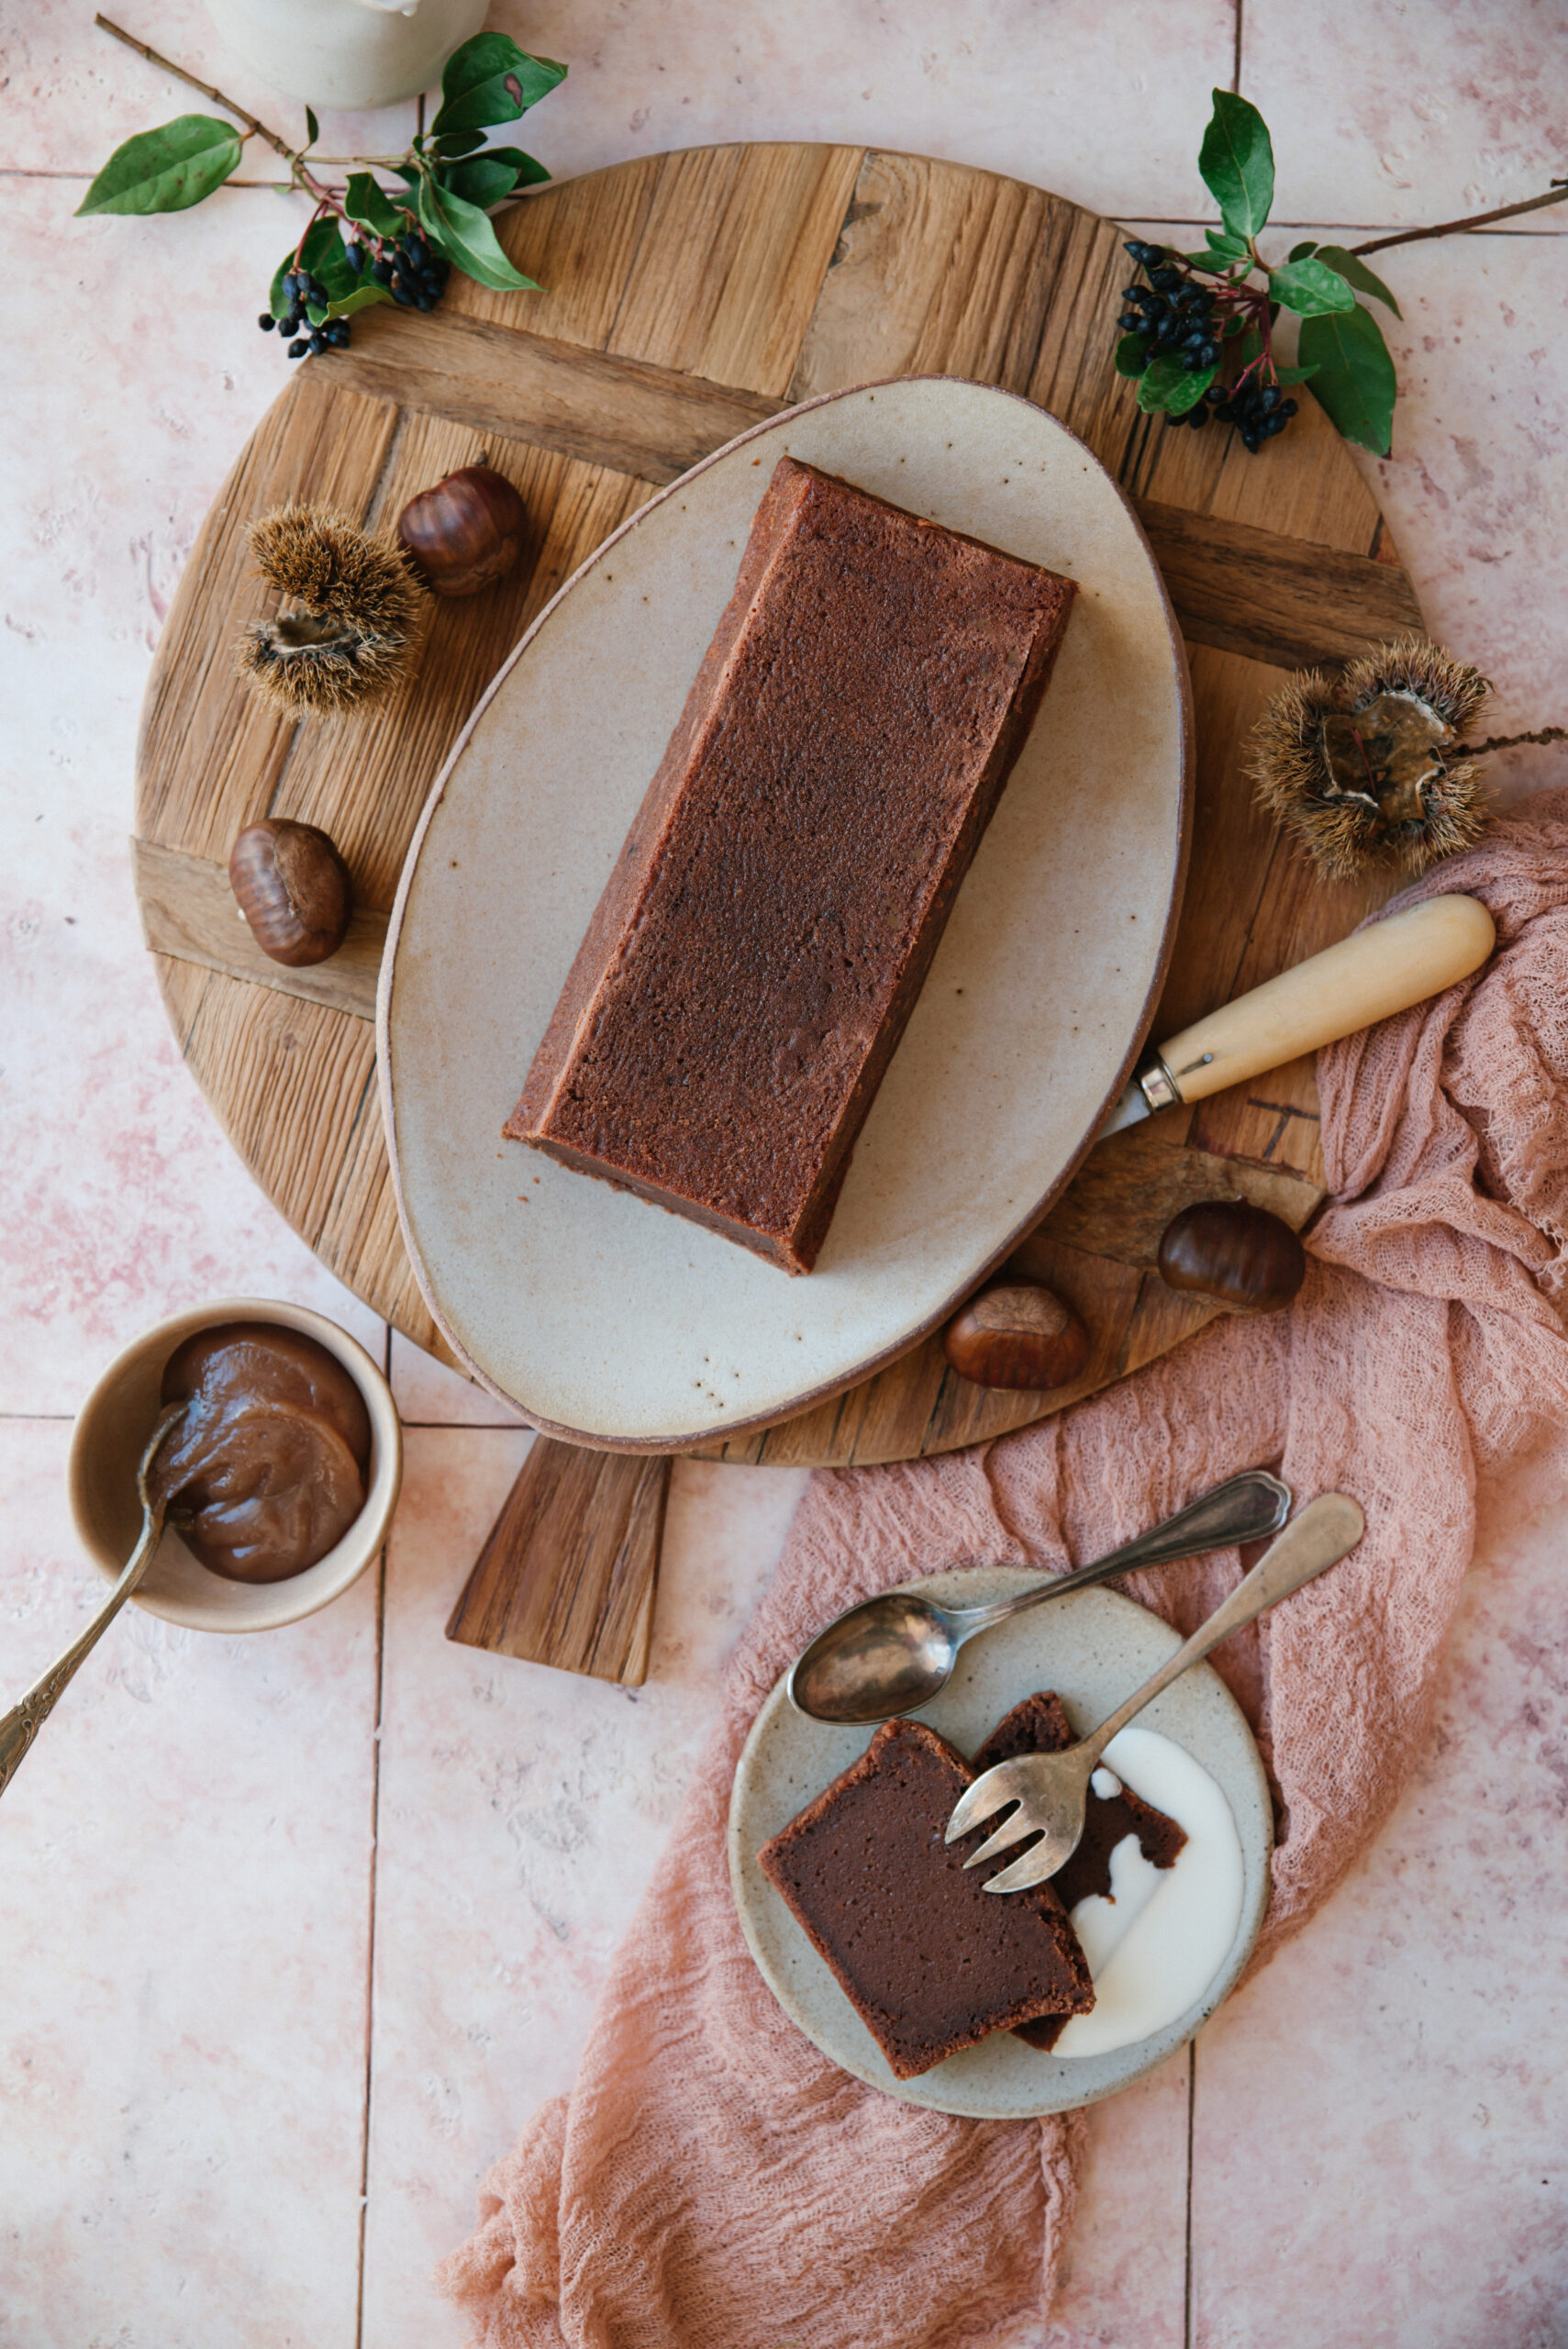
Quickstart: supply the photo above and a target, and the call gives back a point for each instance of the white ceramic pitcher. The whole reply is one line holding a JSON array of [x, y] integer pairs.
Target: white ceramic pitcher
[[355, 54]]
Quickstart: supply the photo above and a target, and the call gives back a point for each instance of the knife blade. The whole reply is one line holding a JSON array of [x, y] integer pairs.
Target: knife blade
[[1366, 977]]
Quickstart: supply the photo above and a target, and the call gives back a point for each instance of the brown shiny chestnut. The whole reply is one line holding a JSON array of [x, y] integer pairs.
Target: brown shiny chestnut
[[1229, 1249], [293, 889], [465, 533], [1018, 1335]]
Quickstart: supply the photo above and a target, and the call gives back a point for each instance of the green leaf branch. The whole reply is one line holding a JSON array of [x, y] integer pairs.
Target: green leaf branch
[[363, 243], [1197, 303]]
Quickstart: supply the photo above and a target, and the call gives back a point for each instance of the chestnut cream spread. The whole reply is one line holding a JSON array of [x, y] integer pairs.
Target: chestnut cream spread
[[266, 1472]]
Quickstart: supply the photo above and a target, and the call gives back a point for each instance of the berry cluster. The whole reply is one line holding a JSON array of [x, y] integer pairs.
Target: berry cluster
[[1257, 411], [411, 273], [1174, 316], [300, 290]]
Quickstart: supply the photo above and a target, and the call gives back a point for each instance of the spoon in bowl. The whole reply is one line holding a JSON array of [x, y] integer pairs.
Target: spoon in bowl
[[894, 1652], [26, 1716]]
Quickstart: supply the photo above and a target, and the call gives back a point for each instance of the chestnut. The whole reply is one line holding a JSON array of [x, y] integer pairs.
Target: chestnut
[[1018, 1335], [465, 533], [1229, 1249], [292, 888]]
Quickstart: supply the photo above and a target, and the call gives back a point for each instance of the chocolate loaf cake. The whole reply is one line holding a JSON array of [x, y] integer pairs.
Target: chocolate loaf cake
[[1040, 1725], [758, 950], [930, 1962]]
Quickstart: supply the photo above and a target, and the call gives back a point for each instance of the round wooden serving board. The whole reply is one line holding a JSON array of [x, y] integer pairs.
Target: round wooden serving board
[[689, 296]]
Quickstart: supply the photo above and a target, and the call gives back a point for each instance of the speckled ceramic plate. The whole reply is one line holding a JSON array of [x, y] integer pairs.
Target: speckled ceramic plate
[[609, 1320], [1091, 1647]]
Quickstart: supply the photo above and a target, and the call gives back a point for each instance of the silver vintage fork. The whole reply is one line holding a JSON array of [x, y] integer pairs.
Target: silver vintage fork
[[1051, 1789]]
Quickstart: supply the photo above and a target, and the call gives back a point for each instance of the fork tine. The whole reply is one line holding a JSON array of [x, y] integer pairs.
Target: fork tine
[[990, 1791], [1035, 1867], [1012, 1830]]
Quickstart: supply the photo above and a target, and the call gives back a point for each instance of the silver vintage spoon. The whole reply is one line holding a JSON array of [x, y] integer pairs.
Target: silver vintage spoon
[[896, 1652], [26, 1716], [1051, 1789]]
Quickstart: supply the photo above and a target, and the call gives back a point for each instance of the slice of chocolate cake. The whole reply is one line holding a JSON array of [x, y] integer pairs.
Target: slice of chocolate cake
[[1040, 1725], [930, 1962], [761, 943]]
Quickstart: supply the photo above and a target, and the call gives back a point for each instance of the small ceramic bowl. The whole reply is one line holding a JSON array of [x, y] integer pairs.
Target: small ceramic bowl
[[113, 1428]]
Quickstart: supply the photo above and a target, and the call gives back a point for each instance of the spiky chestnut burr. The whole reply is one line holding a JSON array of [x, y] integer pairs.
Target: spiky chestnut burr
[[1372, 768], [349, 629]]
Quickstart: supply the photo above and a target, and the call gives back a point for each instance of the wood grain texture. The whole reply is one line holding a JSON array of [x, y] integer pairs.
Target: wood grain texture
[[1273, 598], [188, 911], [685, 296], [568, 1572]]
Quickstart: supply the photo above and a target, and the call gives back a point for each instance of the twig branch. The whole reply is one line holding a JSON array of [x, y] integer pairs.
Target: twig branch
[[1512, 741], [1557, 194], [154, 57]]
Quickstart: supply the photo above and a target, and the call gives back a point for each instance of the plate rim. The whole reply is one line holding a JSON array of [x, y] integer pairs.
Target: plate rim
[[1157, 2045], [386, 982]]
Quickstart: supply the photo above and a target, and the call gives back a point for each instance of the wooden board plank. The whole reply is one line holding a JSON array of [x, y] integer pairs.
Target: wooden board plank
[[188, 913], [651, 422], [568, 1572]]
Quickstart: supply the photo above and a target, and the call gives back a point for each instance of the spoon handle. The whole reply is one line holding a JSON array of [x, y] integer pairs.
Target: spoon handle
[[1244, 1508], [26, 1716], [1317, 1537]]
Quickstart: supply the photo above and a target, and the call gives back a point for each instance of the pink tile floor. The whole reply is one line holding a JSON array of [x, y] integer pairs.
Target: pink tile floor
[[298, 1929]]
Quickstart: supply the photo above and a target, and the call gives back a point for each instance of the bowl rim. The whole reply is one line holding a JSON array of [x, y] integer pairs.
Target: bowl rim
[[235, 1606]]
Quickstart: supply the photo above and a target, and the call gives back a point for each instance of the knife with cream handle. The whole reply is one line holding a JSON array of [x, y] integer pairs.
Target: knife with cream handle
[[1365, 977]]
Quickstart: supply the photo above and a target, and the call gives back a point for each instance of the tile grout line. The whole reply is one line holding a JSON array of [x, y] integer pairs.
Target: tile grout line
[[375, 1866], [1192, 2104]]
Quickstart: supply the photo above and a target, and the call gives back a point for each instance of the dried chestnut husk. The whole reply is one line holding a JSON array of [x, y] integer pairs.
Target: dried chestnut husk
[[1229, 1249], [465, 533], [1018, 1335], [292, 888]]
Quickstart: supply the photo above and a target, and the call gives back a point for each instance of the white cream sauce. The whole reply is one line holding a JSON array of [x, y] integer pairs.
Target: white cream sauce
[[1157, 1944]]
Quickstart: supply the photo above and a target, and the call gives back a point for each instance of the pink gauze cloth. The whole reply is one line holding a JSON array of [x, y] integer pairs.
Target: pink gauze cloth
[[712, 2182]]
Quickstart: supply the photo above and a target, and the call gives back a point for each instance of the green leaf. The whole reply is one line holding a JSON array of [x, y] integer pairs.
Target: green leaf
[[322, 254], [491, 80], [455, 143], [1299, 253], [530, 172], [1220, 241], [1165, 385], [365, 293], [367, 202], [1357, 274], [1293, 375], [1131, 355], [464, 234], [1354, 379], [484, 181], [165, 170], [1237, 161], [1310, 289], [312, 127]]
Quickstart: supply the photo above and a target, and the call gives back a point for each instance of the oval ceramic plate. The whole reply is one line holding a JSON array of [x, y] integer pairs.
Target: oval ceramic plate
[[609, 1320], [1091, 1647]]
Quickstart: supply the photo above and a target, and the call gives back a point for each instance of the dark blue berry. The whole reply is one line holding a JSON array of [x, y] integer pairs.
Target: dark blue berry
[[317, 344], [355, 256], [381, 271], [266, 322], [299, 350]]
